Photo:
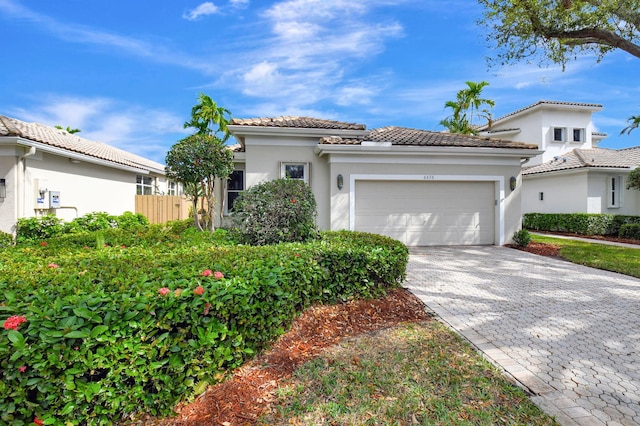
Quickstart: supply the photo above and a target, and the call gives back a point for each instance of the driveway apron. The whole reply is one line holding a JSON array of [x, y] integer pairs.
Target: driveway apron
[[567, 333]]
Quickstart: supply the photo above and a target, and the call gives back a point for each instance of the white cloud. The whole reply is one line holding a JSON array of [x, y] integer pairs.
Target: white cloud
[[239, 4], [203, 9]]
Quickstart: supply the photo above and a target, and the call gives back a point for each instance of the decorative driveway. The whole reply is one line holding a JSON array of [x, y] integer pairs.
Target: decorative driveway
[[568, 333]]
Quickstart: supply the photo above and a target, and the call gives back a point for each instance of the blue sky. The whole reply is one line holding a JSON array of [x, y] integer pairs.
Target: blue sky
[[128, 72]]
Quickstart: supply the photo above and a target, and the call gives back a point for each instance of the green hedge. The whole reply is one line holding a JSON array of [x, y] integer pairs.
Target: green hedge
[[578, 223], [128, 328], [631, 230]]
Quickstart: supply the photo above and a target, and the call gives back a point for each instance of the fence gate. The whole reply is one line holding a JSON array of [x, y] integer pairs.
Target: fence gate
[[162, 208]]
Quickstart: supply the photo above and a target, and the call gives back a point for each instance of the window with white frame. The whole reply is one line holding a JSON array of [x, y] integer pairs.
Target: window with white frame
[[291, 170], [577, 135], [235, 185], [614, 190], [172, 188], [559, 134], [144, 185]]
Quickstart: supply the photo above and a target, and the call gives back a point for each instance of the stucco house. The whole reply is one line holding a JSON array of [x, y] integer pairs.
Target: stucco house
[[556, 127], [583, 180], [44, 170], [420, 187]]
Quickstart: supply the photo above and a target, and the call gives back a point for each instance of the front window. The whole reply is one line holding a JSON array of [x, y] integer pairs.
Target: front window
[[615, 192], [559, 134], [144, 185], [235, 185], [298, 171]]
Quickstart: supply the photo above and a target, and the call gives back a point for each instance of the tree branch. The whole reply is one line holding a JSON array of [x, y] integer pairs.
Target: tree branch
[[593, 36]]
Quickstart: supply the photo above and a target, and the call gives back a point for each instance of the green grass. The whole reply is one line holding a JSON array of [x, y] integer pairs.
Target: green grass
[[611, 258], [413, 374]]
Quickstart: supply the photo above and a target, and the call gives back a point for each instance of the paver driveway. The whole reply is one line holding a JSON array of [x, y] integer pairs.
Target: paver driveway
[[568, 333]]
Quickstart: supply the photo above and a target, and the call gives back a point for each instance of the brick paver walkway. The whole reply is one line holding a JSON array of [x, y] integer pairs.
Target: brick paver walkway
[[568, 333]]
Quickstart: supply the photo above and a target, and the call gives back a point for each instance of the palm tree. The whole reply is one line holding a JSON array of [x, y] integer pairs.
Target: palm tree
[[68, 129], [634, 123], [467, 108], [209, 119]]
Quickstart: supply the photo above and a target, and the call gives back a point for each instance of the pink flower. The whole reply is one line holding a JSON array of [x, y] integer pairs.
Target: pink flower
[[297, 255], [293, 200], [38, 421], [199, 290], [164, 291], [177, 292], [207, 272], [12, 323], [44, 244], [123, 246], [53, 265], [22, 369], [218, 275], [207, 307]]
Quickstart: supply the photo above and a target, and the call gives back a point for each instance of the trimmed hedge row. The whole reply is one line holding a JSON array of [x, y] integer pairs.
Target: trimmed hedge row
[[94, 334], [578, 223]]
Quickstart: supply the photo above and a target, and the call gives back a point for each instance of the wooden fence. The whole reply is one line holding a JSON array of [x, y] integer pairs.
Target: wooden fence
[[162, 208]]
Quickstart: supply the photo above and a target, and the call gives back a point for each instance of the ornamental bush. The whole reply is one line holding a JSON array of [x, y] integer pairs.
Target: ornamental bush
[[6, 240], [282, 210], [100, 335], [522, 238], [578, 223], [631, 230]]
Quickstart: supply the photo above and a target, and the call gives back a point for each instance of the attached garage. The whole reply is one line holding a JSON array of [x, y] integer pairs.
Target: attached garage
[[430, 213]]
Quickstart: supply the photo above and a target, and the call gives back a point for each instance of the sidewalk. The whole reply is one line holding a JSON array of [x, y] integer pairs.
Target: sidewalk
[[587, 240]]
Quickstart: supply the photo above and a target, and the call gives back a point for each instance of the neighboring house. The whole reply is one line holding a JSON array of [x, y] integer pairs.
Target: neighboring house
[[583, 180], [557, 128], [420, 187], [44, 170]]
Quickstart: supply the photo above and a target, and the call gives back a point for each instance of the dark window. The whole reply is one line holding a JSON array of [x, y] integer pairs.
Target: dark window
[[558, 134], [235, 185]]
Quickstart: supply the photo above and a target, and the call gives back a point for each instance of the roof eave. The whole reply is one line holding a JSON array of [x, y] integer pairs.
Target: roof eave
[[240, 131], [20, 141], [325, 149]]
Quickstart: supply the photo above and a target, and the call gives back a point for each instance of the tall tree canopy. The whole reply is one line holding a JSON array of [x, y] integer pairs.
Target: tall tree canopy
[[468, 107], [557, 31], [208, 118]]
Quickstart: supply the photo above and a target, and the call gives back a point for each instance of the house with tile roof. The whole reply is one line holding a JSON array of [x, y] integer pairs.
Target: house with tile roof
[[583, 180], [420, 187], [45, 170], [556, 127]]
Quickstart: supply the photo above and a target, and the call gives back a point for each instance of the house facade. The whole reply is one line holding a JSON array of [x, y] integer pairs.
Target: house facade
[[420, 187], [45, 170], [583, 180], [556, 127]]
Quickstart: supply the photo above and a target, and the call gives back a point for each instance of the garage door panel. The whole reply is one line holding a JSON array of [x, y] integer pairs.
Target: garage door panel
[[427, 213]]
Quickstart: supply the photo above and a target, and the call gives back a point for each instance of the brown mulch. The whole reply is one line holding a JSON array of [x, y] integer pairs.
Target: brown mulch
[[242, 398], [550, 250]]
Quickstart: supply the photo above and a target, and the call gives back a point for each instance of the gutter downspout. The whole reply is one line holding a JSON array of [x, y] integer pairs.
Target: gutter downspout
[[23, 159]]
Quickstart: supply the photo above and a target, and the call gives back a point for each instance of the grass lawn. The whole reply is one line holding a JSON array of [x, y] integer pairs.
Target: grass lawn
[[611, 258], [414, 374]]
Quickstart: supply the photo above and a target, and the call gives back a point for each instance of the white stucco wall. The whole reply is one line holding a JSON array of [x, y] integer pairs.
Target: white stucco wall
[[562, 193], [8, 205], [599, 194]]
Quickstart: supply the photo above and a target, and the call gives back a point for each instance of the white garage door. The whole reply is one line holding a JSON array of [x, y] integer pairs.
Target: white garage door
[[427, 213]]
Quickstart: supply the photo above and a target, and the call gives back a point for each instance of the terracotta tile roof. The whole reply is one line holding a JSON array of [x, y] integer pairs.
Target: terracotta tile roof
[[298, 122], [61, 139], [414, 137], [627, 158], [539, 103]]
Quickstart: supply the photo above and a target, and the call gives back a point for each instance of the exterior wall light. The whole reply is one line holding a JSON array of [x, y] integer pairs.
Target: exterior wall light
[[3, 188], [512, 182], [340, 181]]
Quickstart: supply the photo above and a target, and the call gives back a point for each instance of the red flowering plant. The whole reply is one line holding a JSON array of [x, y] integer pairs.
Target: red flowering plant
[[13, 322]]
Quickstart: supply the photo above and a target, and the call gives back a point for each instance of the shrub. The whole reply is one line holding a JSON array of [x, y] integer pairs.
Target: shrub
[[39, 228], [631, 231], [578, 223], [6, 240], [283, 210], [117, 331], [522, 238]]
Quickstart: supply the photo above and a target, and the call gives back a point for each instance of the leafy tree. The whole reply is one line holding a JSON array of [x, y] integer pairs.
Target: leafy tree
[[198, 162], [69, 129], [468, 108], [557, 31], [208, 118], [633, 180]]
